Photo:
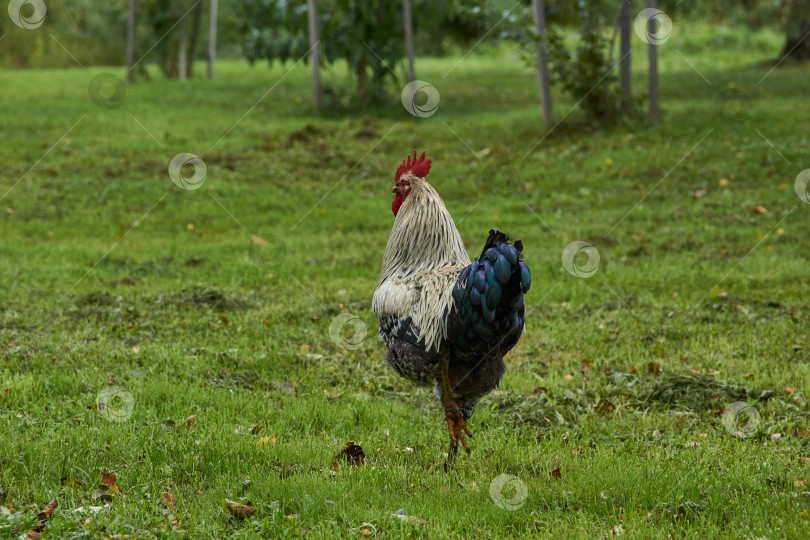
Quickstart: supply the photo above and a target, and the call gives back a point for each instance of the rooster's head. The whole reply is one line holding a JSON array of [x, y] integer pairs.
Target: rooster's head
[[409, 169]]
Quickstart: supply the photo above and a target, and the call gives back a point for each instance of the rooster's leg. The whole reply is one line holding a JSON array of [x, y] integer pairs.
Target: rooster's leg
[[455, 420]]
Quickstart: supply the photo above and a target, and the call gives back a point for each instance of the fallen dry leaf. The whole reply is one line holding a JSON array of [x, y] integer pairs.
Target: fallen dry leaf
[[239, 509], [190, 420], [684, 359], [366, 532], [257, 428], [699, 194], [556, 474], [168, 499], [605, 407], [774, 437], [42, 517], [800, 482], [352, 453], [759, 210], [788, 390], [70, 482], [108, 480], [654, 368]]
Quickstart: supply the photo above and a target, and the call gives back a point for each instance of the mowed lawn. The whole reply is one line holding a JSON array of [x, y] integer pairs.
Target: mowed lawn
[[217, 303]]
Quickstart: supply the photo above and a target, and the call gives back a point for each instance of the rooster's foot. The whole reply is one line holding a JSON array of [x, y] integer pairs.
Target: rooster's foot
[[457, 427]]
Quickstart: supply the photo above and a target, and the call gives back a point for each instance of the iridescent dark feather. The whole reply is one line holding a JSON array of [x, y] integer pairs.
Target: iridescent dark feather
[[488, 297]]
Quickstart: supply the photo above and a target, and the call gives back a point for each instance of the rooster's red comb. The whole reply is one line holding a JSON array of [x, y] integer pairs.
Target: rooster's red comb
[[417, 167]]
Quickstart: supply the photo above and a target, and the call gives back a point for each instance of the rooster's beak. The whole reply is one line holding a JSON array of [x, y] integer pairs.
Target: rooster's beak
[[394, 190]]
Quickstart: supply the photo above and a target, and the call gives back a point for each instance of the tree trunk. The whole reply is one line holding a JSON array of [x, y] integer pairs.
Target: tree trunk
[[624, 50], [653, 75], [409, 50], [195, 34], [131, 42], [315, 52], [797, 31], [181, 51], [542, 62], [212, 37]]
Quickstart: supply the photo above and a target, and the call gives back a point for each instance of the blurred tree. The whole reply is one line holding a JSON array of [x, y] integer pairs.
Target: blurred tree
[[367, 34], [796, 20]]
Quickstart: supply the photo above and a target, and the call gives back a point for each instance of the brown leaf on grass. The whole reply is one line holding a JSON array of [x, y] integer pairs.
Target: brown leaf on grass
[[800, 482], [352, 453], [70, 482], [699, 194], [556, 474], [42, 517], [257, 428], [759, 210], [654, 368], [366, 532], [168, 499], [108, 480], [239, 509], [605, 407], [788, 390], [587, 361], [684, 359], [126, 280], [264, 440], [190, 420]]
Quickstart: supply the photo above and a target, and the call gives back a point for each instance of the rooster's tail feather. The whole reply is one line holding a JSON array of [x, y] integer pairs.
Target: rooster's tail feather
[[488, 295]]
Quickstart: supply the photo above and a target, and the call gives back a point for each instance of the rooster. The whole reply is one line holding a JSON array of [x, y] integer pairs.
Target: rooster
[[444, 319]]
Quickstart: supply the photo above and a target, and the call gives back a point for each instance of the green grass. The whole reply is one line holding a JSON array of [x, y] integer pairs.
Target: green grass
[[713, 293]]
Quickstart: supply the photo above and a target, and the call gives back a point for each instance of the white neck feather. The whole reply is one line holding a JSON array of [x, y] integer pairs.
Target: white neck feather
[[423, 237]]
